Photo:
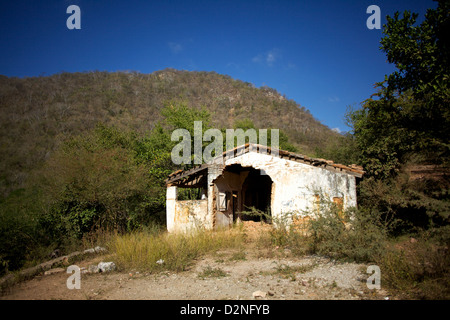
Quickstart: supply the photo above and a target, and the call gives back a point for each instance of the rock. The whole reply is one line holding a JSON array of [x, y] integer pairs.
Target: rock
[[304, 283], [106, 266], [99, 249], [65, 261], [259, 294], [95, 250], [55, 254], [53, 271], [93, 268], [413, 240], [270, 293]]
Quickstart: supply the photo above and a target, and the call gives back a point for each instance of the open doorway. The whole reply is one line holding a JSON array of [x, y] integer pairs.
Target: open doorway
[[256, 196], [242, 193]]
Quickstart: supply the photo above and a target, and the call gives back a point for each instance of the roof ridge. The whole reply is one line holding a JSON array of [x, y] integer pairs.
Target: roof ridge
[[248, 147]]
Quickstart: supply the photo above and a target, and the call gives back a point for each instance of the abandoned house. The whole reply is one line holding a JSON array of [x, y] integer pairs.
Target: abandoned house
[[280, 184]]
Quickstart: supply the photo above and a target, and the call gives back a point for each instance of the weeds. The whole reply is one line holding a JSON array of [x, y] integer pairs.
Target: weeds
[[141, 250], [417, 269], [238, 256], [356, 235], [289, 272], [210, 272], [420, 269]]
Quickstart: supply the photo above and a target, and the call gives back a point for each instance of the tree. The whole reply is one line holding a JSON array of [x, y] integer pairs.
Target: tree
[[421, 55], [407, 122], [409, 114], [95, 181]]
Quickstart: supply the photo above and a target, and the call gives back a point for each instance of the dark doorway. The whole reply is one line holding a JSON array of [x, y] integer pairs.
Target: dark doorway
[[253, 201], [235, 205], [256, 193]]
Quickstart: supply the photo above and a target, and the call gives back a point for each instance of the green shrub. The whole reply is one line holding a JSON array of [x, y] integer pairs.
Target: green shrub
[[356, 234], [419, 267]]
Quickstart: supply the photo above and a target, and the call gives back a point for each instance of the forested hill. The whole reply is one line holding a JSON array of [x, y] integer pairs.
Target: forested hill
[[37, 113]]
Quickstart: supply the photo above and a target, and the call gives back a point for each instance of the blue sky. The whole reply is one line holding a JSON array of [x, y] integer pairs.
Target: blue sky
[[318, 53]]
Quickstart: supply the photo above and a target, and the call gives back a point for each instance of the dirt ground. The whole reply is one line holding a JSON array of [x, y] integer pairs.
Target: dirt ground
[[223, 275]]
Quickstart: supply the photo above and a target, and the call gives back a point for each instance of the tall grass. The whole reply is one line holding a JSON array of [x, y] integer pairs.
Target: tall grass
[[157, 251], [418, 269]]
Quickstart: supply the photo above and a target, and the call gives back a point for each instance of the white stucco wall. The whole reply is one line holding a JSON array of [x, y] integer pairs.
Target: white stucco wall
[[295, 189], [295, 185], [183, 215], [171, 198]]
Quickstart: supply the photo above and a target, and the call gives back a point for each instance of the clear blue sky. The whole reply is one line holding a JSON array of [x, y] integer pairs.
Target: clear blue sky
[[318, 53]]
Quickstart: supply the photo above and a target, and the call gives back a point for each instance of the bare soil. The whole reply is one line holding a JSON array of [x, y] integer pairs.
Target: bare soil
[[223, 275]]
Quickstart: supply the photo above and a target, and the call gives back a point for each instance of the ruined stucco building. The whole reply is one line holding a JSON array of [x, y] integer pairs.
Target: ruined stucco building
[[281, 184]]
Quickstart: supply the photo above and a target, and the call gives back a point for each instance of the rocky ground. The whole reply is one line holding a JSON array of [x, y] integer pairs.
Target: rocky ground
[[224, 275]]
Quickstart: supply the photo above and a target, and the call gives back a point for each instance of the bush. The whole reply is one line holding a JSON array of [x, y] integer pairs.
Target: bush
[[356, 234], [419, 269], [18, 228], [410, 204]]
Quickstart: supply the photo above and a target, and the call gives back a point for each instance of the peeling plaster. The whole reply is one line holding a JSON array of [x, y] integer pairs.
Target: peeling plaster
[[295, 187]]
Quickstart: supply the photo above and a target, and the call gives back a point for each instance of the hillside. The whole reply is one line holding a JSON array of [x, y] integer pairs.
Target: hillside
[[37, 113]]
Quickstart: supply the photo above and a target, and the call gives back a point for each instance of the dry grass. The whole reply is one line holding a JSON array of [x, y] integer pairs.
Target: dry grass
[[418, 270], [163, 251]]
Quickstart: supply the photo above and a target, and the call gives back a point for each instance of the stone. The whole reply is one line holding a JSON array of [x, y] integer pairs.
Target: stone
[[106, 266], [65, 261], [259, 294], [93, 268], [53, 271], [55, 254], [99, 249]]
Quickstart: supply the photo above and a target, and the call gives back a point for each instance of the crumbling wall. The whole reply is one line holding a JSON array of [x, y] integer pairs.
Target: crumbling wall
[[296, 186], [297, 189], [226, 184], [171, 198], [183, 215], [190, 214]]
